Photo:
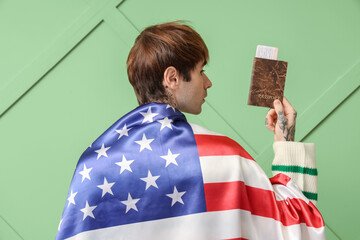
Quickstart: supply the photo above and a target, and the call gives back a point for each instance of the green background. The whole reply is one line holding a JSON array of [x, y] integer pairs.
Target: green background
[[63, 82]]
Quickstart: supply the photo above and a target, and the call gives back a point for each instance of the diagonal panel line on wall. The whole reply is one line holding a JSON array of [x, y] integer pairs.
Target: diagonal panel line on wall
[[128, 18], [334, 234], [121, 25], [216, 115], [330, 99], [6, 228], [52, 55]]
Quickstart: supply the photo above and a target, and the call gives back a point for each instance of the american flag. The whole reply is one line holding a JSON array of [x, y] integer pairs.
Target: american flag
[[152, 175]]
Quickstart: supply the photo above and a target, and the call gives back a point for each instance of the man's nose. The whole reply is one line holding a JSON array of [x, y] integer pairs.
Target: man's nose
[[207, 82]]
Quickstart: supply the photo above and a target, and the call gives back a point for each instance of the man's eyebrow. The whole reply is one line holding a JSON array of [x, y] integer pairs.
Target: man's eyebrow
[[205, 62]]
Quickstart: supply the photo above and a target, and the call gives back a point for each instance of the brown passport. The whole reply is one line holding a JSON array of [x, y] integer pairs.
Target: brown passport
[[267, 82]]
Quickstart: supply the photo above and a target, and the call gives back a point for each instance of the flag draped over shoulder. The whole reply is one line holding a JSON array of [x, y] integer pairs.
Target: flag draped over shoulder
[[152, 175]]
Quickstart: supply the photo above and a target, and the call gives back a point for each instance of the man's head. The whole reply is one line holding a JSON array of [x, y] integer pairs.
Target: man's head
[[162, 64]]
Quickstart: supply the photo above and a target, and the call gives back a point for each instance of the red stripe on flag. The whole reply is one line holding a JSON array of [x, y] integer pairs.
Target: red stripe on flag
[[280, 179], [236, 195], [213, 145]]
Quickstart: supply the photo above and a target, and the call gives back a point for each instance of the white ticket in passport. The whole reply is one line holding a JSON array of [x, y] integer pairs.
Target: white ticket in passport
[[266, 52]]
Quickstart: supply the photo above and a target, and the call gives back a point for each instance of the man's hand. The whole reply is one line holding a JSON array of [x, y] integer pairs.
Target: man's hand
[[281, 121]]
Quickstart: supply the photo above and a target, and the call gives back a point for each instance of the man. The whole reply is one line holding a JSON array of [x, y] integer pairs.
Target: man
[[152, 175]]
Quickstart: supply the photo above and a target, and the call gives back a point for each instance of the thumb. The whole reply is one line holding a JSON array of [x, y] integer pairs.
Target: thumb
[[278, 107]]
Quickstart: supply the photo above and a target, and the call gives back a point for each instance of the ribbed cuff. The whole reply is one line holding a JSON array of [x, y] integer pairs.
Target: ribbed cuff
[[295, 154]]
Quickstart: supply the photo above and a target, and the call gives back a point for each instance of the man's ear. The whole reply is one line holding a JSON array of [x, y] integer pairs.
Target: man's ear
[[171, 78]]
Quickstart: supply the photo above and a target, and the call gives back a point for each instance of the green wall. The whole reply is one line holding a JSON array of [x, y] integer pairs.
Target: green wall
[[63, 82]]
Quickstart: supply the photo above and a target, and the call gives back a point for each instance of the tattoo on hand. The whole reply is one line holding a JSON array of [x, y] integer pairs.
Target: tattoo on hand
[[282, 121], [290, 136]]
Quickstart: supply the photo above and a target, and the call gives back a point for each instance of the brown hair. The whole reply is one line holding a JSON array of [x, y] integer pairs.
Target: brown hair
[[155, 49]]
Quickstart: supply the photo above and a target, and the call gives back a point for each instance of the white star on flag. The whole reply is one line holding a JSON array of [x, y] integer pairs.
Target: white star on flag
[[168, 106], [124, 164], [170, 158], [130, 203], [166, 122], [148, 116], [106, 187], [123, 132], [150, 180], [59, 225], [176, 196], [85, 173], [87, 210], [71, 199], [102, 151], [144, 143]]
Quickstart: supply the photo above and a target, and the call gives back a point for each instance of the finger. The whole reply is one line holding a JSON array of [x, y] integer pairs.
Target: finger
[[271, 113], [278, 106], [271, 116], [270, 127]]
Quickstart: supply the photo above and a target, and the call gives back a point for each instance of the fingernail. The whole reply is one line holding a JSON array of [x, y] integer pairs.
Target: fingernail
[[277, 102]]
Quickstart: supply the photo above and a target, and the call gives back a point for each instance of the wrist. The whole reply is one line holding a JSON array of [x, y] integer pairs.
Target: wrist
[[287, 135]]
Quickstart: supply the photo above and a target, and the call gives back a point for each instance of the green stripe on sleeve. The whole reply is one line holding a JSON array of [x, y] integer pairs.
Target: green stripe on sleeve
[[311, 196], [295, 169]]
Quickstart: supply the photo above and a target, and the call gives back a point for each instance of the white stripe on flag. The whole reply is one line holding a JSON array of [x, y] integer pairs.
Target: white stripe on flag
[[221, 169], [201, 130], [211, 225], [291, 190]]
